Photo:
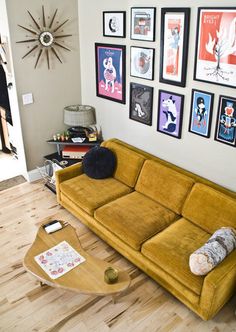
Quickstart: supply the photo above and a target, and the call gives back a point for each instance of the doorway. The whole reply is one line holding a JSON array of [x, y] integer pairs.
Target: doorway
[[8, 152]]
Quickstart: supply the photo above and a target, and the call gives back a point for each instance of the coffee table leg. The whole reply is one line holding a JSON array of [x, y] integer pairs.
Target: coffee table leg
[[113, 299], [41, 284]]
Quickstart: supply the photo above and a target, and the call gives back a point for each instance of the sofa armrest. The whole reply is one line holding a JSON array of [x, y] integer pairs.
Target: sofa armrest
[[219, 285], [66, 174]]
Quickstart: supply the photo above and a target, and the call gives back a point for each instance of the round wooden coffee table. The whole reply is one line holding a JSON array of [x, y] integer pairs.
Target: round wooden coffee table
[[86, 278]]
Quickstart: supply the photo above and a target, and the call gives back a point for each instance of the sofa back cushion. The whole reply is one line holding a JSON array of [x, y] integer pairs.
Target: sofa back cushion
[[209, 208], [164, 185], [128, 163]]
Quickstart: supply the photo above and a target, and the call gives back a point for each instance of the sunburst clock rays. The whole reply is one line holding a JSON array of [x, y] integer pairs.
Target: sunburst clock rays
[[45, 38]]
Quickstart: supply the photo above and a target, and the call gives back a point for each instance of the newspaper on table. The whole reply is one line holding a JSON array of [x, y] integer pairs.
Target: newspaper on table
[[59, 259]]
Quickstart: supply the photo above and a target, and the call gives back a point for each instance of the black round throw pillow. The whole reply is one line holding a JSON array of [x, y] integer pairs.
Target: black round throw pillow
[[99, 163]]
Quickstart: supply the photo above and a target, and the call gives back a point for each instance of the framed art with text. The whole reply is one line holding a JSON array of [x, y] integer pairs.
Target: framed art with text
[[142, 62], [226, 121], [110, 71], [170, 113], [174, 45], [143, 20], [201, 112], [114, 24], [141, 98], [215, 58]]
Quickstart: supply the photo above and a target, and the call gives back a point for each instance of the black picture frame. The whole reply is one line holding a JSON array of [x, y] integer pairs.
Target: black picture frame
[[174, 45], [201, 112], [114, 24], [141, 103], [142, 62], [225, 130], [215, 59], [110, 64], [143, 23], [170, 113]]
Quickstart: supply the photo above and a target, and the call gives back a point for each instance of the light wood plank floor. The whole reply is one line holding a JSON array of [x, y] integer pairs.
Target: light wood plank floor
[[25, 306]]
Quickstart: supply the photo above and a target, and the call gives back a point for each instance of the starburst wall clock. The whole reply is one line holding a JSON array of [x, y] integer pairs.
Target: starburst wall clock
[[46, 39]]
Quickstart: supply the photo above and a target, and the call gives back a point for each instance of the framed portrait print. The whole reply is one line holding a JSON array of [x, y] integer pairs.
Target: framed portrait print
[[201, 112], [226, 121], [141, 98], [170, 113], [142, 62], [110, 71], [174, 45], [215, 58], [143, 20], [114, 24]]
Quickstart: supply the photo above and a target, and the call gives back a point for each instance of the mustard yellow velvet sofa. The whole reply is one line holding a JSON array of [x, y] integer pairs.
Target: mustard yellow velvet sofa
[[156, 214]]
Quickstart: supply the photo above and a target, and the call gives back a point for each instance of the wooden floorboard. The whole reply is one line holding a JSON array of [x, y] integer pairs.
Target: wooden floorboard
[[25, 306]]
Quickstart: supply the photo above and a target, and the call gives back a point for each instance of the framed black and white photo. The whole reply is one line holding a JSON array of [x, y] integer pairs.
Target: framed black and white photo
[[142, 62], [143, 20], [141, 99], [114, 24], [225, 131], [201, 113], [174, 45]]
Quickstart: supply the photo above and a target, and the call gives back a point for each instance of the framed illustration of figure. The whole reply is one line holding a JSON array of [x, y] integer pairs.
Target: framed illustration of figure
[[201, 112], [114, 24], [141, 98], [170, 113], [143, 20], [215, 58], [226, 121], [142, 62], [110, 71], [174, 45]]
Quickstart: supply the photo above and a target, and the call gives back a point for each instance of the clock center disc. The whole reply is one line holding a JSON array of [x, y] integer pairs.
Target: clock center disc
[[46, 38]]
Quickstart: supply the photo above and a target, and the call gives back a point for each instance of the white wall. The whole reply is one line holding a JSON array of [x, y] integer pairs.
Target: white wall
[[206, 157], [52, 89]]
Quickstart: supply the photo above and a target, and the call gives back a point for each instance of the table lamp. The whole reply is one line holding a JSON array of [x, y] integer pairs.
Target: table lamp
[[79, 117]]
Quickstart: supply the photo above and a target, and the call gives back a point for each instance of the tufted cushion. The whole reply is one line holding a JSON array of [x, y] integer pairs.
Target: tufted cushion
[[209, 208], [128, 163], [219, 245], [164, 185], [89, 194], [99, 163]]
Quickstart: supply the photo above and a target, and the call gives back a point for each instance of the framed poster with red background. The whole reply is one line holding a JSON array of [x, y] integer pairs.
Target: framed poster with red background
[[215, 59]]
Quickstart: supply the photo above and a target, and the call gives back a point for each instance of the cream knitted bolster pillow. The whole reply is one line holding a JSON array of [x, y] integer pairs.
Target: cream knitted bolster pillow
[[219, 245]]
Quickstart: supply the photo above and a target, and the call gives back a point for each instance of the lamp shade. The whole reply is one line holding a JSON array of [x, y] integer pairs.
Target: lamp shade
[[79, 115]]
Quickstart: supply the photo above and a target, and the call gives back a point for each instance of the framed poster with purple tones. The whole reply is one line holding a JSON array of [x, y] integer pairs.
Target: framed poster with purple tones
[[110, 71], [170, 113]]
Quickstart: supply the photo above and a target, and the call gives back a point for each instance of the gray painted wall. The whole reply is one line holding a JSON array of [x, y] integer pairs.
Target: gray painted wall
[[52, 89], [206, 157]]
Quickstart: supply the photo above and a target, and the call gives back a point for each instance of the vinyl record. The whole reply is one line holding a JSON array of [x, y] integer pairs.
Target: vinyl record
[[142, 63]]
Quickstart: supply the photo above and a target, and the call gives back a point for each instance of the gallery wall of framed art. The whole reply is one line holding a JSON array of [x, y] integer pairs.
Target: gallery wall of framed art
[[199, 116]]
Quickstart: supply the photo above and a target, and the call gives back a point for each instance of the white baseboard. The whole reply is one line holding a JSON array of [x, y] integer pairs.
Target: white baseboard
[[34, 175]]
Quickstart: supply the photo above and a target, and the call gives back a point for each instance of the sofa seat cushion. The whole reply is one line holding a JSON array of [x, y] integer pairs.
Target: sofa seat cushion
[[134, 218], [171, 249], [164, 185], [128, 163], [209, 208], [89, 194]]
